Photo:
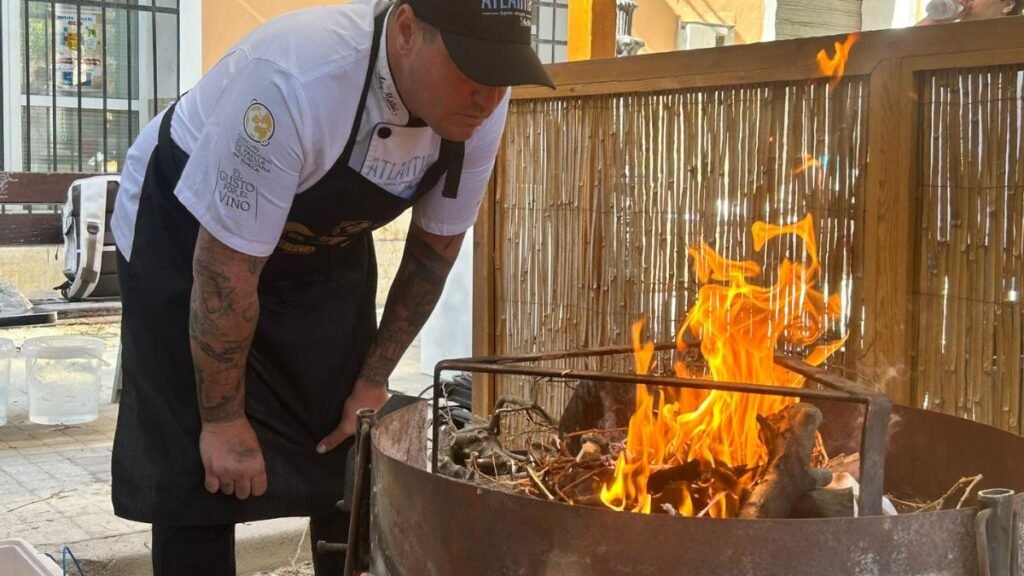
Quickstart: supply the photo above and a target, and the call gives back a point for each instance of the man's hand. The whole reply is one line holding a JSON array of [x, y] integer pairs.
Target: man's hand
[[233, 459], [364, 395]]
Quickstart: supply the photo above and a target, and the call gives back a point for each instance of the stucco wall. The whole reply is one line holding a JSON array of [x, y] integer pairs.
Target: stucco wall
[[656, 21], [227, 21]]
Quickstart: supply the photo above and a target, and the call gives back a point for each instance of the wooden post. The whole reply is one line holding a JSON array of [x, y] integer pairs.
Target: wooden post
[[591, 29], [884, 351]]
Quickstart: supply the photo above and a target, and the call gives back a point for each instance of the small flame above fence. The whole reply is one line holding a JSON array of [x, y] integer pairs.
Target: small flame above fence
[[835, 67]]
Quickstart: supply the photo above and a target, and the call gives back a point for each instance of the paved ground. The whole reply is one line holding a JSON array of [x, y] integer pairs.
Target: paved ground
[[55, 480]]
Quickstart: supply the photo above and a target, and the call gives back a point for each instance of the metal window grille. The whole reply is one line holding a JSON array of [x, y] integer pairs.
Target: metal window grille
[[551, 30], [92, 73]]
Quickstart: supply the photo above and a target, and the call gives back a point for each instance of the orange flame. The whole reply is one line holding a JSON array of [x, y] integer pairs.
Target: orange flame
[[835, 67], [808, 162], [739, 326]]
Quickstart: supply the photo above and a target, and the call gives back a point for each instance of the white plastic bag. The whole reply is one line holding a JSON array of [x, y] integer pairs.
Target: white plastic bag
[[12, 302]]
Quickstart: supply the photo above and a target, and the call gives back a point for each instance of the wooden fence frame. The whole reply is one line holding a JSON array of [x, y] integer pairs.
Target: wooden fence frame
[[891, 59]]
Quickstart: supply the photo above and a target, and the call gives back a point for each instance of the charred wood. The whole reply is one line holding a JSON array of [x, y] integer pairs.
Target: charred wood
[[848, 463], [789, 436], [660, 479], [825, 503], [596, 405]]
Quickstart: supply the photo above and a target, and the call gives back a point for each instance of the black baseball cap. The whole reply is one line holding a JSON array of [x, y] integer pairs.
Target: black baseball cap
[[489, 40]]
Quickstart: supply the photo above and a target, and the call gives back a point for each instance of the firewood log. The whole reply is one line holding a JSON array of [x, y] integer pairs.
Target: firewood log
[[788, 475]]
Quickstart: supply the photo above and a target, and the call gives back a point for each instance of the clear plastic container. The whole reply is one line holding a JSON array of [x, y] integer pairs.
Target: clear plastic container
[[942, 9], [63, 378], [6, 353], [19, 558]]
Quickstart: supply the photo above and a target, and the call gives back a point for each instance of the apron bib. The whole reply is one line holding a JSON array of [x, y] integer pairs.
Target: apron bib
[[317, 320]]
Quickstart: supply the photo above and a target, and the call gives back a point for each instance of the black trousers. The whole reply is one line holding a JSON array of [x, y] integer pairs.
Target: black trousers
[[210, 550]]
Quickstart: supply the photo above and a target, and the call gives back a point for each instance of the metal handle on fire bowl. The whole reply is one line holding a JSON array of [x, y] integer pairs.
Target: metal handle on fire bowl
[[366, 418], [994, 526]]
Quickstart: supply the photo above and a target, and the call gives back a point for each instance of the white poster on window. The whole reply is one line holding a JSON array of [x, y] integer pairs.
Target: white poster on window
[[79, 49]]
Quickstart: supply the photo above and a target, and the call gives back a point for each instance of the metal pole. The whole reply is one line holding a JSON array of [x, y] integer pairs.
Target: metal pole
[[53, 85], [130, 43], [3, 134], [156, 73], [78, 78], [26, 158], [435, 419], [104, 71]]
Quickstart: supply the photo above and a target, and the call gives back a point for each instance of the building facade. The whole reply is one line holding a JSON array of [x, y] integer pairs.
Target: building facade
[[79, 78]]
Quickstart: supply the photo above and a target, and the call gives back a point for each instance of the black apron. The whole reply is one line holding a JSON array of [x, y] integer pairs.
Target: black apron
[[317, 320]]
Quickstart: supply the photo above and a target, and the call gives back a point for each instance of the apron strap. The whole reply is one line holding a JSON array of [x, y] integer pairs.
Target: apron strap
[[451, 154], [449, 161], [451, 183], [168, 155], [164, 135], [378, 29]]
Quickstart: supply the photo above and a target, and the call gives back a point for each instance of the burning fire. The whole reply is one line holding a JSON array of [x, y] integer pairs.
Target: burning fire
[[739, 325], [835, 67], [808, 162]]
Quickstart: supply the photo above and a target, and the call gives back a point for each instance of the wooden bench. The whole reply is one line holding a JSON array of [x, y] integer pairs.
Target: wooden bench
[[27, 218]]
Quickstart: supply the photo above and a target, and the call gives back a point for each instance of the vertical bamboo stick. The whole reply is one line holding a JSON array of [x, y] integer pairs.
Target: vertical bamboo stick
[[932, 254]]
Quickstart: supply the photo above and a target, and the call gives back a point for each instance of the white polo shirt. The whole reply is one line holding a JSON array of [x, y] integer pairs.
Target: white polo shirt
[[274, 115]]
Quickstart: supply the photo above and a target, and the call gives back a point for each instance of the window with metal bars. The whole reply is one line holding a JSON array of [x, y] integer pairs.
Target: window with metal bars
[[87, 75], [551, 30]]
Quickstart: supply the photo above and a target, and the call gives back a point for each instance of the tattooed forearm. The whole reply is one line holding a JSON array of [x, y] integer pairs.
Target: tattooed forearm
[[417, 286], [222, 320]]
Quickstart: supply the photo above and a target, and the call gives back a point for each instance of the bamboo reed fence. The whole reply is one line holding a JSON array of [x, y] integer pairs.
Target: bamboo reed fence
[[971, 197], [910, 167]]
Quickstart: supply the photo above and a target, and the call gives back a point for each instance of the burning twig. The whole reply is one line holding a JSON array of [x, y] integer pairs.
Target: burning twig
[[689, 472], [712, 503]]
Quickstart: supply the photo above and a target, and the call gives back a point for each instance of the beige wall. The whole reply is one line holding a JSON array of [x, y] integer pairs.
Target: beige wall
[[655, 21], [34, 270], [227, 21]]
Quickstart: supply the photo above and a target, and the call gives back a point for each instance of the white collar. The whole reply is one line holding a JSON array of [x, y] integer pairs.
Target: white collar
[[384, 87]]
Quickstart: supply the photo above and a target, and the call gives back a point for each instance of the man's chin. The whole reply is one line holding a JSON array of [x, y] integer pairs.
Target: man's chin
[[456, 133]]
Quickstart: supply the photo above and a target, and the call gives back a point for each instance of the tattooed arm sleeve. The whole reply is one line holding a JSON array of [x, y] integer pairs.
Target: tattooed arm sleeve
[[417, 286], [222, 321]]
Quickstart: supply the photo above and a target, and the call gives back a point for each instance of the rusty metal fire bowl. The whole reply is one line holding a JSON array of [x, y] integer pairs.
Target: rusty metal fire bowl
[[428, 524]]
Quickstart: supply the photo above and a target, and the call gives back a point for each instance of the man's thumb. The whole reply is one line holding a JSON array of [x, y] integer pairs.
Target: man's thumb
[[340, 434]]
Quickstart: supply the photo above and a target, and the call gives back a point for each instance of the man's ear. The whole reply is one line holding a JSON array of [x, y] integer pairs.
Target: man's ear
[[1008, 6], [405, 28]]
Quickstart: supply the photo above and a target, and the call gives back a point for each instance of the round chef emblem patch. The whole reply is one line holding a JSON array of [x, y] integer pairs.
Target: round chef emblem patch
[[259, 123]]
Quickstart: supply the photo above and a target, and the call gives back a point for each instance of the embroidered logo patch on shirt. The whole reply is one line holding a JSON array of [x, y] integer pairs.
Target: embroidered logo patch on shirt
[[259, 123]]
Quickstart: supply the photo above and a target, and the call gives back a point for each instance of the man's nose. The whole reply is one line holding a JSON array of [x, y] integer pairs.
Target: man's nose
[[488, 97]]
